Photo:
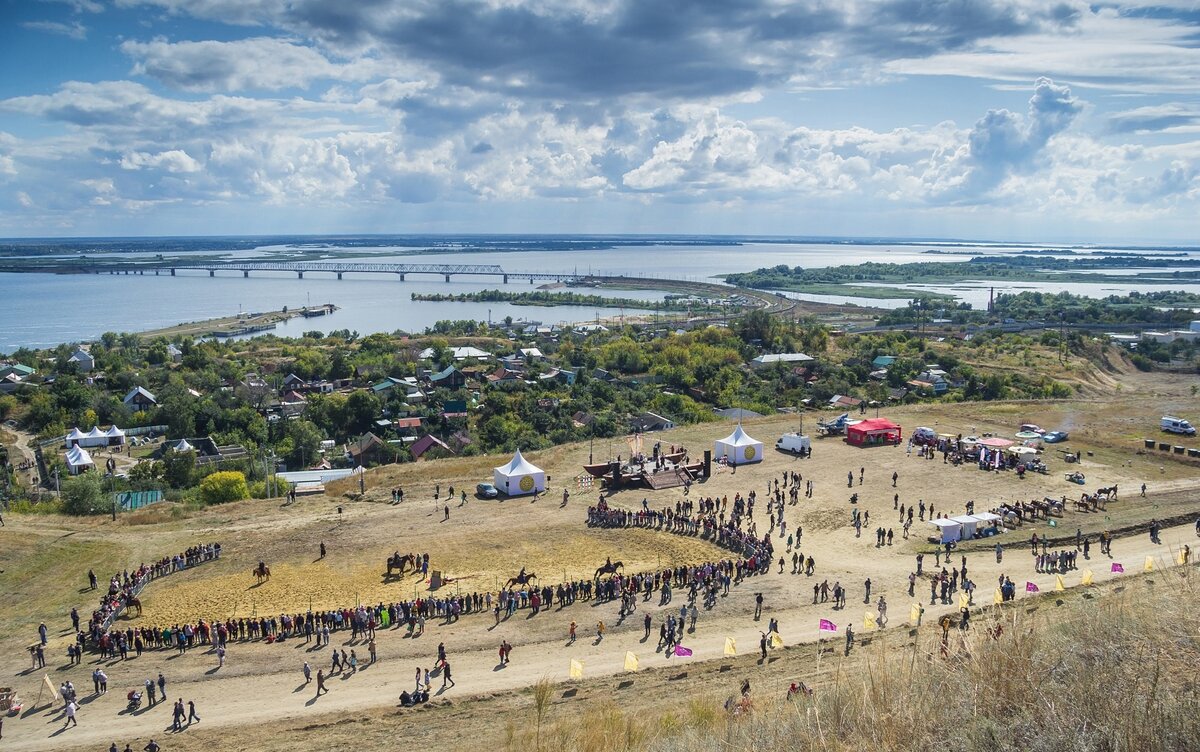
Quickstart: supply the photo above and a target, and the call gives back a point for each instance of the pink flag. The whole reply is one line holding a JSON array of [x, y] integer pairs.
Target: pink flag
[[1117, 567], [682, 652], [1031, 587], [828, 626]]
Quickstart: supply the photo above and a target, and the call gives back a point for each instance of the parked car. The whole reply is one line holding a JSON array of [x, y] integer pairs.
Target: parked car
[[1054, 437], [486, 491]]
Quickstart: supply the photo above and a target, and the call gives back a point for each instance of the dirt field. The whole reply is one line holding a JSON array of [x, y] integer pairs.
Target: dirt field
[[259, 691]]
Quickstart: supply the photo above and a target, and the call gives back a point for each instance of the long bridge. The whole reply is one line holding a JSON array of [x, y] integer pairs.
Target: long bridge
[[300, 268]]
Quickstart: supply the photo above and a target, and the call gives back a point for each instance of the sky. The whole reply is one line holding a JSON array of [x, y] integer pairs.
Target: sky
[[1022, 120]]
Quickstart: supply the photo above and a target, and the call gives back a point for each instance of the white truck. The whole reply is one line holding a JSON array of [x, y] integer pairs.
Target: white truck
[[1171, 424], [796, 443]]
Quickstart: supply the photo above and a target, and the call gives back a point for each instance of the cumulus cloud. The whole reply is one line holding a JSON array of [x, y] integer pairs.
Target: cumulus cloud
[[1002, 143]]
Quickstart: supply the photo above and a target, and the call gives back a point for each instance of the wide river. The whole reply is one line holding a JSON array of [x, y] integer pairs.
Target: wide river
[[43, 310]]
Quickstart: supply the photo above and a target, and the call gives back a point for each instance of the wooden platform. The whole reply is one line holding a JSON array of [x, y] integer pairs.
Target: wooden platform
[[666, 479]]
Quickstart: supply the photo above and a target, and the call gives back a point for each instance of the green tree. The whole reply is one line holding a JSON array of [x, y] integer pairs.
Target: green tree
[[84, 494], [178, 467], [224, 486]]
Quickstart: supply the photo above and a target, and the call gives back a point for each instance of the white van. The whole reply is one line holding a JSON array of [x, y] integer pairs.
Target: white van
[[795, 443], [1177, 425]]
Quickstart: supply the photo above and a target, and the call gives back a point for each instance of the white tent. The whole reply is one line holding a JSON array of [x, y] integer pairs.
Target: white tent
[[115, 435], [75, 436], [183, 446], [949, 531], [738, 448], [969, 523], [78, 460], [519, 477]]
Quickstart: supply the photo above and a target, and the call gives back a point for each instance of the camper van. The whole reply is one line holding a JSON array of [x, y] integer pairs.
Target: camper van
[[794, 442], [1177, 425]]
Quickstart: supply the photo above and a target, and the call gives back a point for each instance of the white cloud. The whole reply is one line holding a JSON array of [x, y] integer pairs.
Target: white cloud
[[74, 29], [173, 161], [259, 63]]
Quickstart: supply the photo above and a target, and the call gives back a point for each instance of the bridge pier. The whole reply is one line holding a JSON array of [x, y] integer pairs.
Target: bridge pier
[[447, 277], [300, 275], [506, 279], [401, 276], [212, 272], [172, 272], [156, 272], [141, 272], [246, 275]]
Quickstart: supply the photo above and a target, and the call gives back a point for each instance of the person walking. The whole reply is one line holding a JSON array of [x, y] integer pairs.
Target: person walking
[[320, 682], [446, 677], [220, 656], [307, 673], [162, 686], [758, 603], [42, 633], [192, 713], [70, 710], [177, 716]]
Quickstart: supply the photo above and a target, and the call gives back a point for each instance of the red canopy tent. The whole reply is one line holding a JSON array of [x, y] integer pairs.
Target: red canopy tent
[[873, 432]]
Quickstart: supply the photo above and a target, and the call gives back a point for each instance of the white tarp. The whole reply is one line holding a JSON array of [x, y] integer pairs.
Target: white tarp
[[738, 448], [969, 524], [519, 477], [183, 446], [78, 460]]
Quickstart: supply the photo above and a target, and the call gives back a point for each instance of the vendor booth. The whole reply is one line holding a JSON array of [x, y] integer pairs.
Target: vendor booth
[[873, 432], [948, 531], [78, 461], [519, 477], [738, 448]]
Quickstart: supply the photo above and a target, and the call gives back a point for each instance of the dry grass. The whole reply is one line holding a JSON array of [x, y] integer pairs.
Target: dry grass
[[1110, 672]]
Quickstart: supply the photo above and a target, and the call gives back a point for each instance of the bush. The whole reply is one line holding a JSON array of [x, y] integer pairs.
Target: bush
[[224, 486], [83, 494]]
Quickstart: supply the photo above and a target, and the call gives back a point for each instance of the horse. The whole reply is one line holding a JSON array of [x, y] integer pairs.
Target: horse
[[523, 578], [398, 562], [262, 572], [610, 568], [134, 603]]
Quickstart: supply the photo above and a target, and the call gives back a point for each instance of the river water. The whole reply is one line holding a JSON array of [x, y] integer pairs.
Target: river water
[[42, 310]]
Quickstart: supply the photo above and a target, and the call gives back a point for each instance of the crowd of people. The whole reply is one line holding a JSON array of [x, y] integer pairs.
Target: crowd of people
[[123, 587]]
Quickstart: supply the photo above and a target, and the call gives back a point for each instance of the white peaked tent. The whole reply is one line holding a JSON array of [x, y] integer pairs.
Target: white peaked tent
[[183, 446], [519, 477], [75, 436], [115, 435], [738, 448], [78, 460]]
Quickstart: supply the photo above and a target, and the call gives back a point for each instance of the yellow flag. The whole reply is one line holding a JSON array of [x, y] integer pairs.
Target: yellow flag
[[730, 646], [776, 640], [1087, 577], [576, 671], [998, 597], [631, 661], [914, 613], [1149, 567], [964, 600], [1059, 585], [1181, 557], [869, 621]]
